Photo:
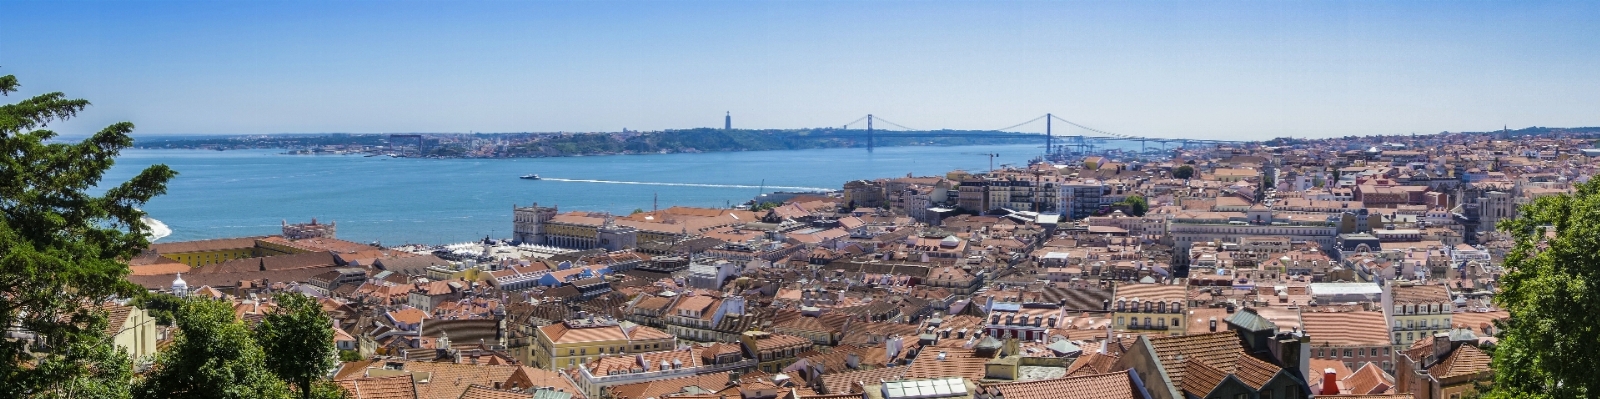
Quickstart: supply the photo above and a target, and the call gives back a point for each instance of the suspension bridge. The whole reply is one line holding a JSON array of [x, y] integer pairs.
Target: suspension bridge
[[1078, 138]]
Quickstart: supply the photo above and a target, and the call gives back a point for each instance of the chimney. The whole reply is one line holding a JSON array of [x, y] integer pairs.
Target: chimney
[[1330, 383], [1441, 347]]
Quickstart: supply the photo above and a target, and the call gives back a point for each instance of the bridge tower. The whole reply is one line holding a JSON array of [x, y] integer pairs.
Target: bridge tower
[[1047, 136], [869, 132]]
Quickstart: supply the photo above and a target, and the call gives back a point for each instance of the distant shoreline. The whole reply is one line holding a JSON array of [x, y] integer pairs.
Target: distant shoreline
[[519, 145]]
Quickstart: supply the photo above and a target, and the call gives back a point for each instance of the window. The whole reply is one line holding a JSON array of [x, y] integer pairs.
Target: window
[[1174, 322], [583, 351], [1349, 353], [571, 352]]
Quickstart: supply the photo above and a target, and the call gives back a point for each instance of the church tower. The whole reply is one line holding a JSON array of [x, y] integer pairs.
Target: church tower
[[727, 121]]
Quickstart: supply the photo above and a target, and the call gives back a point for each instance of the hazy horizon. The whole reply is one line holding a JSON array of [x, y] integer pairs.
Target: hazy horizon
[[1245, 70]]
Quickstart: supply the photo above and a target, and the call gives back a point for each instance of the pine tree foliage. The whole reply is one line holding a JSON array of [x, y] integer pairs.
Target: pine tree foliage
[[62, 249]]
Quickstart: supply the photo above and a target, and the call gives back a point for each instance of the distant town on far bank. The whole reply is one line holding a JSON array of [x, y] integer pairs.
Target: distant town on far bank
[[560, 144]]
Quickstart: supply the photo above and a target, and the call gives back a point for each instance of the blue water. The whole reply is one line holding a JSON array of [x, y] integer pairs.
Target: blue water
[[435, 201]]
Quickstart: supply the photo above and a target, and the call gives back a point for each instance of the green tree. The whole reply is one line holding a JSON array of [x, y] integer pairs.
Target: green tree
[[159, 304], [1183, 172], [298, 340], [349, 356], [62, 250], [1136, 205], [1550, 346], [213, 356]]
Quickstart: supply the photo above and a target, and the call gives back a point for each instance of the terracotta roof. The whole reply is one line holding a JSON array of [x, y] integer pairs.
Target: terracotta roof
[[450, 380], [392, 387], [1116, 385], [838, 383], [781, 341], [1092, 363], [654, 389], [476, 391], [408, 315], [1200, 379], [957, 363], [1151, 292], [1465, 360], [1421, 294], [639, 332], [528, 377], [1218, 349], [158, 268], [1369, 380], [1346, 328], [1253, 371], [116, 317], [204, 245]]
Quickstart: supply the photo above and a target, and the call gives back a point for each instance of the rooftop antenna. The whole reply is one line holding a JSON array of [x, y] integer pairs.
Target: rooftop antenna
[[763, 189]]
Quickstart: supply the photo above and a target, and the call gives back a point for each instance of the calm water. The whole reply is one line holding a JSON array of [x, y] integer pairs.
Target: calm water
[[402, 200]]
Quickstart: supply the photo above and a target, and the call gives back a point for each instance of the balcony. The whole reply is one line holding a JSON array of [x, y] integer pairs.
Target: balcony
[[1147, 327]]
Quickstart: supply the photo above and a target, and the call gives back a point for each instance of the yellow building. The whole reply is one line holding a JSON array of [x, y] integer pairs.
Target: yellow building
[[1150, 307], [1418, 312], [773, 352], [205, 252], [574, 342], [132, 329]]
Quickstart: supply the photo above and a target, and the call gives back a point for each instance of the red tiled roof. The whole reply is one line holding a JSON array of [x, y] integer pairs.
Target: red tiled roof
[[1346, 328], [839, 383], [1465, 360], [1116, 385], [476, 391], [1369, 380], [392, 387], [1200, 379]]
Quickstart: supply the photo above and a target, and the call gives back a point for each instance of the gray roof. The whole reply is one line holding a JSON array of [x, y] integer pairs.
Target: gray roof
[[1247, 319]]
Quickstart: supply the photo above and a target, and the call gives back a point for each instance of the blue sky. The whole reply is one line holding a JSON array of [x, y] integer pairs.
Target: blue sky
[[1165, 69]]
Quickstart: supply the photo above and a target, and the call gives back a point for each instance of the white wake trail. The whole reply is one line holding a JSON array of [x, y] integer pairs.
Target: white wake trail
[[684, 184], [158, 230]]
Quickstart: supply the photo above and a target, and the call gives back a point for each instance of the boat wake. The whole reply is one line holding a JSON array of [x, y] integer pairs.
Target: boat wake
[[685, 184], [158, 230]]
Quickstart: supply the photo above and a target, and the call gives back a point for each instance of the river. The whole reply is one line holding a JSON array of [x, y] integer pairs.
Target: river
[[434, 201]]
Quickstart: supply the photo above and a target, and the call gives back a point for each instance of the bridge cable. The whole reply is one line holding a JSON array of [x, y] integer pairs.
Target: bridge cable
[[1019, 124], [1096, 130], [858, 120], [880, 119]]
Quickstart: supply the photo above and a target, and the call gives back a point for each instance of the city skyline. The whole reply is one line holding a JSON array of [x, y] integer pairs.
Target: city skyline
[[1238, 69]]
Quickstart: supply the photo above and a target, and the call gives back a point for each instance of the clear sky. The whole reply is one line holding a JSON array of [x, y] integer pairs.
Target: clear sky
[[1166, 69]]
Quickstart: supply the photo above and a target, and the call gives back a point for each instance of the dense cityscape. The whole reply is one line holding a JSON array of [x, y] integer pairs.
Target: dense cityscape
[[693, 199], [1362, 267]]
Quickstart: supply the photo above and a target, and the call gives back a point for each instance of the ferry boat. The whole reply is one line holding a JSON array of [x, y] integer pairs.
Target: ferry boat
[[530, 177]]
